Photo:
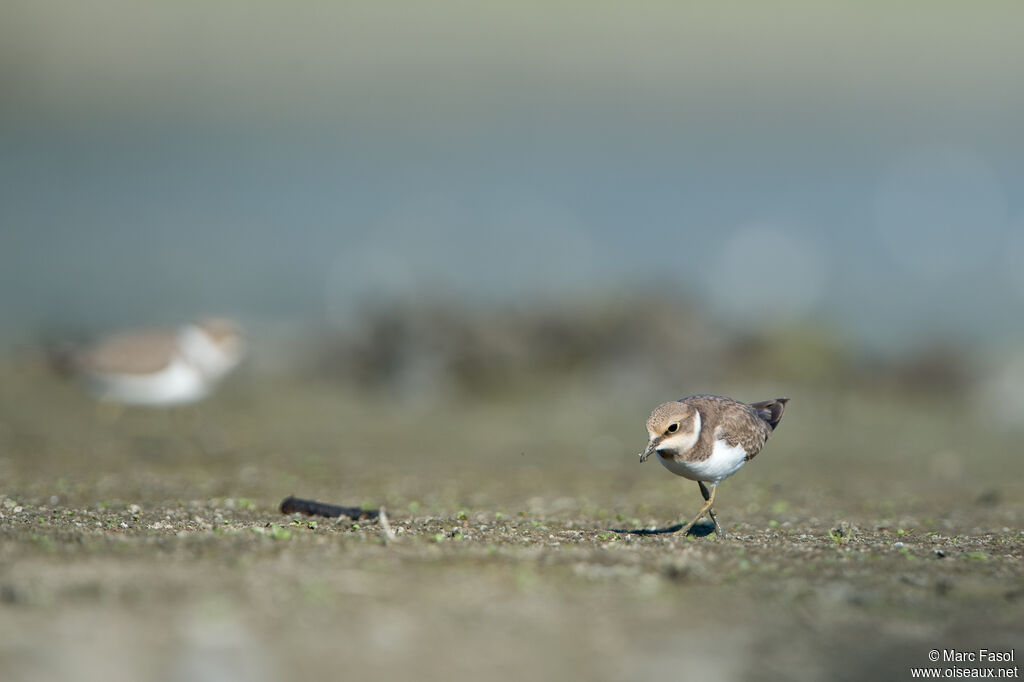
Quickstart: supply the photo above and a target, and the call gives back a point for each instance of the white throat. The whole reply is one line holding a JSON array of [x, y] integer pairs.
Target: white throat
[[213, 360]]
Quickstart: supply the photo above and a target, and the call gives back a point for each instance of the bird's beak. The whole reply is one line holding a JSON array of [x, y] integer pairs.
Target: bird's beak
[[651, 447]]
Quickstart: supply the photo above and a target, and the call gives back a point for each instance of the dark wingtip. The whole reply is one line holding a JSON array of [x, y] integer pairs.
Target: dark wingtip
[[771, 410]]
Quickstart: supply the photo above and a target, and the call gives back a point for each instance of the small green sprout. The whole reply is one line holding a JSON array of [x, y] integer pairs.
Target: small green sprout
[[279, 533]]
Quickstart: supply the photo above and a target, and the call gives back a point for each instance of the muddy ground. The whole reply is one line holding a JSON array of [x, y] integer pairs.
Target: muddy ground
[[147, 545]]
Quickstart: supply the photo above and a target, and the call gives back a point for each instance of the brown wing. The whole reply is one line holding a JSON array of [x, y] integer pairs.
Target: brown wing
[[736, 423], [129, 353]]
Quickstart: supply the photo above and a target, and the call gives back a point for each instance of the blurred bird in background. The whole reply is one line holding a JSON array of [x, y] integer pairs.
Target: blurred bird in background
[[158, 367]]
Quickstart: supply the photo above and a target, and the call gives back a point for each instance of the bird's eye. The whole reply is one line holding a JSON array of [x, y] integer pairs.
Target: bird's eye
[[672, 428]]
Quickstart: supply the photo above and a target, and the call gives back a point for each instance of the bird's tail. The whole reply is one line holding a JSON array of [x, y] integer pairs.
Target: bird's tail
[[771, 410], [61, 360]]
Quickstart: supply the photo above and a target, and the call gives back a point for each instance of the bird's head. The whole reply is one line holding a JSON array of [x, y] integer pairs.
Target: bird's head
[[673, 428]]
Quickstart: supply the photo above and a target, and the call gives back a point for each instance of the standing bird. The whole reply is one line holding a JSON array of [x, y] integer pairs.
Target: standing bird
[[160, 367], [707, 438]]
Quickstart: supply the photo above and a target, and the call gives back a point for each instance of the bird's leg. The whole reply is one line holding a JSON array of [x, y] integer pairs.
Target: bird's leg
[[709, 498]]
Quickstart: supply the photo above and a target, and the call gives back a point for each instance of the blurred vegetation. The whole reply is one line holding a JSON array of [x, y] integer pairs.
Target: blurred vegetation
[[439, 345], [482, 350]]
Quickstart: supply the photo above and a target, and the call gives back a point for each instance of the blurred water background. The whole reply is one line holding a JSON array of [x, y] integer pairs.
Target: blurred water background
[[850, 166]]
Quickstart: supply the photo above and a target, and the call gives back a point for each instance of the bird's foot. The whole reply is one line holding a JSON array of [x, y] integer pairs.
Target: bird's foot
[[718, 527]]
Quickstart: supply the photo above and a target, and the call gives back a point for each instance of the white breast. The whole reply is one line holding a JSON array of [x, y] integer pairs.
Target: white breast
[[176, 384], [213, 361], [725, 460]]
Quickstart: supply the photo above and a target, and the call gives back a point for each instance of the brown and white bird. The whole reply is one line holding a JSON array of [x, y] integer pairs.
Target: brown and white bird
[[707, 438], [158, 367]]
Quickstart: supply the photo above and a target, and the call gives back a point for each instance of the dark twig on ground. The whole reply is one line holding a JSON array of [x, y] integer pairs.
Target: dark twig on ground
[[292, 505]]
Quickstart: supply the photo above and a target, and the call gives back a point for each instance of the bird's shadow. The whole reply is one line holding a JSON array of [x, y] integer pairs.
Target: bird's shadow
[[698, 530]]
